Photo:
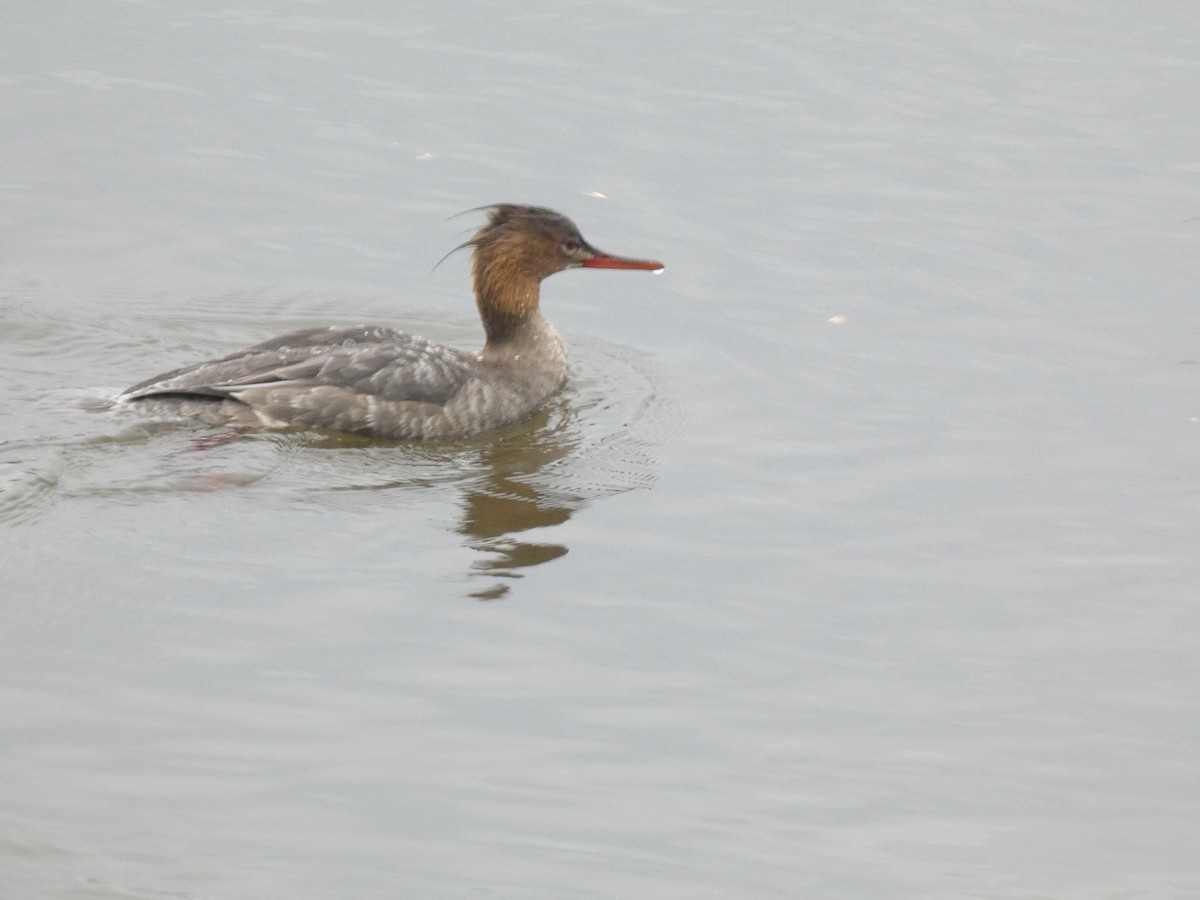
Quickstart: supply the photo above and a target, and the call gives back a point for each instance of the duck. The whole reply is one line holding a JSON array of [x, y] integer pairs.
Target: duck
[[380, 382]]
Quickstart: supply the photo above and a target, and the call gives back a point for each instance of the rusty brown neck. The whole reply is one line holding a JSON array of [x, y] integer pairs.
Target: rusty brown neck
[[507, 297]]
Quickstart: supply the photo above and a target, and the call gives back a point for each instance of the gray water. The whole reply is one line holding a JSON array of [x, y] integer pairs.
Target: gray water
[[858, 559]]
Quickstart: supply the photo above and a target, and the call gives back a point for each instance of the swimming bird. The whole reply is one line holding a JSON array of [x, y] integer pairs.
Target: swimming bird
[[379, 382]]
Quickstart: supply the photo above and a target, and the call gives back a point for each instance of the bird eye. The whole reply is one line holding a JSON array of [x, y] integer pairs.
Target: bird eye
[[572, 245]]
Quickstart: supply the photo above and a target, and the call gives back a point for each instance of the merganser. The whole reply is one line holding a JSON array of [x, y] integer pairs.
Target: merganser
[[383, 383]]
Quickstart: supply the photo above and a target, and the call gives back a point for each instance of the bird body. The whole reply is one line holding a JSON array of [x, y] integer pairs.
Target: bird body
[[385, 383]]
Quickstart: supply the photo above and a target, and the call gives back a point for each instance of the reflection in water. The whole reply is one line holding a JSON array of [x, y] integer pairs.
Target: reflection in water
[[511, 501]]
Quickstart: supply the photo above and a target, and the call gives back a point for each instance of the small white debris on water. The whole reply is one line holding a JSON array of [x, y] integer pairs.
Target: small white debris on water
[[839, 319], [595, 195], [424, 156]]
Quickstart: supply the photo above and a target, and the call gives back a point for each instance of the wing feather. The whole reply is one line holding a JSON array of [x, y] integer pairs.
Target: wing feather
[[346, 379]]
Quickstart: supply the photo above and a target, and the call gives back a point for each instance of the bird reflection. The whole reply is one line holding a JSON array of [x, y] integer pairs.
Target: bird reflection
[[511, 500]]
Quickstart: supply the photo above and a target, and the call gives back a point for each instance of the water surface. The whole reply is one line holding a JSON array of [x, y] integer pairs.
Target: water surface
[[858, 559]]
